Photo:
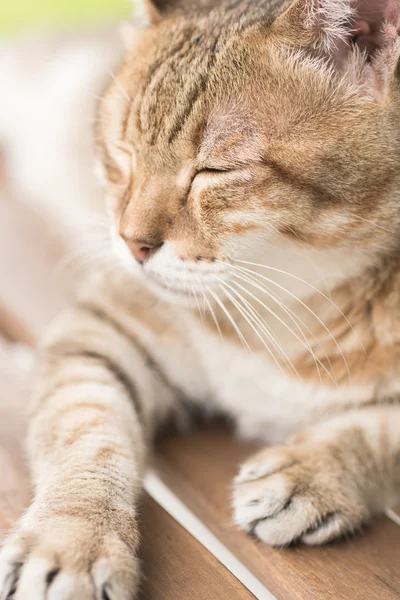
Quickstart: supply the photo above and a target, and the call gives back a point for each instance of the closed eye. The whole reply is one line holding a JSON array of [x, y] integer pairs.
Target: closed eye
[[213, 171]]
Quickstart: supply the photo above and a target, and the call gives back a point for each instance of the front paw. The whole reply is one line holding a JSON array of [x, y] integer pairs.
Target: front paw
[[301, 492], [71, 556]]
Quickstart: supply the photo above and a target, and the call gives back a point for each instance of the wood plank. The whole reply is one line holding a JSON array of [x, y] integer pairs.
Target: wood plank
[[200, 471], [176, 566], [395, 513]]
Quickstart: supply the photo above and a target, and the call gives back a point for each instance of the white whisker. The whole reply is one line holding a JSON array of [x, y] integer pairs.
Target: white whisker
[[332, 337], [315, 289], [287, 327], [196, 299], [213, 315], [231, 320], [372, 223], [292, 318], [94, 253], [198, 306], [250, 320], [106, 69]]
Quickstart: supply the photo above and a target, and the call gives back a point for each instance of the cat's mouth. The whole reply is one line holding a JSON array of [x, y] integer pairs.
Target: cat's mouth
[[179, 289], [180, 280], [177, 293], [190, 286], [183, 287]]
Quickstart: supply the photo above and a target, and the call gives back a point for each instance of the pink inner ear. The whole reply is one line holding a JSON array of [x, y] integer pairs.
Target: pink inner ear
[[370, 18], [393, 14], [371, 14], [373, 28], [376, 31]]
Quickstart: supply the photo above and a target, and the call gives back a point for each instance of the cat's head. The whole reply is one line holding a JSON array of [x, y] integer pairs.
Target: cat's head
[[236, 126]]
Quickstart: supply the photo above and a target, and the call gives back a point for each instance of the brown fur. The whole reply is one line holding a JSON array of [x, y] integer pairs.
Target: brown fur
[[234, 131]]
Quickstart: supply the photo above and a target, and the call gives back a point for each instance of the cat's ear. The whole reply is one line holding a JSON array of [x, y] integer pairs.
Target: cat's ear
[[145, 12], [360, 37], [153, 10]]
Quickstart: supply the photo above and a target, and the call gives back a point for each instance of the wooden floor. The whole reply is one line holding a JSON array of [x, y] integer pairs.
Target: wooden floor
[[186, 479]]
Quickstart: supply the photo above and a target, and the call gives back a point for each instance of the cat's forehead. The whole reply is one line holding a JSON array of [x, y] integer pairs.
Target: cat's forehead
[[192, 86], [179, 82], [232, 133], [226, 87]]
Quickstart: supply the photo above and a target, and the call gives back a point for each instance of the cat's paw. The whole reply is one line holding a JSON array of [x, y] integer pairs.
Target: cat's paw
[[64, 557], [301, 492]]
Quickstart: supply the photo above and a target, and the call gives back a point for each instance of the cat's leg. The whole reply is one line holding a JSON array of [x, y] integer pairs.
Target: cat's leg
[[98, 401], [325, 482]]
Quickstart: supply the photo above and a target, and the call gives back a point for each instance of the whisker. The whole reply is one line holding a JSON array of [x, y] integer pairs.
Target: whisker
[[203, 308], [91, 253], [306, 283], [204, 294], [193, 291], [95, 96], [264, 326], [250, 321], [372, 223], [293, 317], [286, 326], [332, 337], [105, 67], [231, 320], [213, 315]]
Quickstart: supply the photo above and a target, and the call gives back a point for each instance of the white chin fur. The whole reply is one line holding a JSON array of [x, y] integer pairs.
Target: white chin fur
[[168, 276]]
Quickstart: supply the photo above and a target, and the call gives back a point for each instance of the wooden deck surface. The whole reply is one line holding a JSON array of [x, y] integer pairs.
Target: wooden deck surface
[[177, 567]]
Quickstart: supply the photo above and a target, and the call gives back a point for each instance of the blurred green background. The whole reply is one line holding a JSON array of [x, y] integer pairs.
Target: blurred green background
[[22, 15]]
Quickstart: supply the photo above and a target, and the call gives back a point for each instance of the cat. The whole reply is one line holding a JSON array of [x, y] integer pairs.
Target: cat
[[250, 155]]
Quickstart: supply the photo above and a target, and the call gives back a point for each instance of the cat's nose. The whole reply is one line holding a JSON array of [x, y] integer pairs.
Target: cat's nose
[[142, 249]]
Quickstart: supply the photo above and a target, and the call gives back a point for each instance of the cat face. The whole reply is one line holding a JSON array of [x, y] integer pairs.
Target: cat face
[[232, 129]]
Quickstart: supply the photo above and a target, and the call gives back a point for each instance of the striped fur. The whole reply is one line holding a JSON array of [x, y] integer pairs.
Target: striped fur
[[255, 151]]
